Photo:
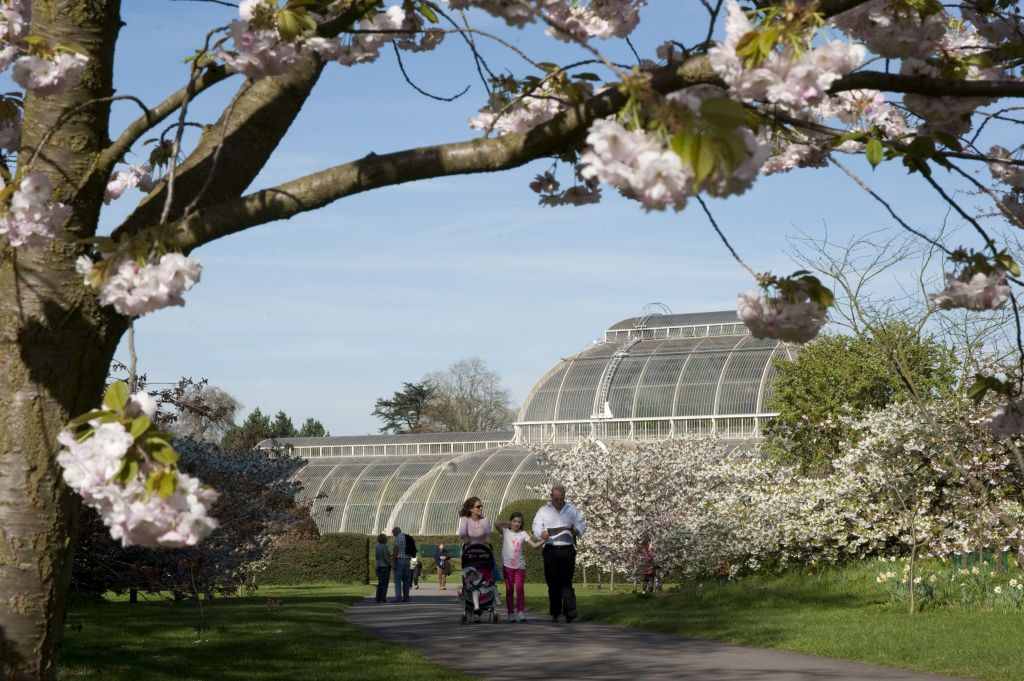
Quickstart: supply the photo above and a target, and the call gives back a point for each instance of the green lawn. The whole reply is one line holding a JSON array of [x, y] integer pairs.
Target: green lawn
[[835, 612], [303, 637]]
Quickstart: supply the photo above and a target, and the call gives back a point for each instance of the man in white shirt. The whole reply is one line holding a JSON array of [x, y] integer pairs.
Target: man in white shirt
[[559, 525]]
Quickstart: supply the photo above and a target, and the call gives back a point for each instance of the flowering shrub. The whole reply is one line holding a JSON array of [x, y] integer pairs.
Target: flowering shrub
[[906, 484]]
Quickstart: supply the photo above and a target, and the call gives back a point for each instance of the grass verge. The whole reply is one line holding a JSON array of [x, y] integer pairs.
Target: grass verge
[[282, 633], [836, 612]]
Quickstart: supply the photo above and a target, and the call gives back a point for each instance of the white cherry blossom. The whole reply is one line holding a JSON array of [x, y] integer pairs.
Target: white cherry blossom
[[775, 317], [134, 289]]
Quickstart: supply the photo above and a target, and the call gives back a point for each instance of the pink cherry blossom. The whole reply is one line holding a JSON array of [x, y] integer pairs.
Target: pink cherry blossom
[[121, 181], [49, 76], [32, 218], [978, 292], [790, 79]]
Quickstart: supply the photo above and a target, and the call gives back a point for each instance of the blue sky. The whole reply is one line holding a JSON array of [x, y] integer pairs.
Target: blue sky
[[321, 314]]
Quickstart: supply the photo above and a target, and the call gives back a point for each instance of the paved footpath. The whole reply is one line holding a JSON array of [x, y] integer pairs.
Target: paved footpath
[[538, 648]]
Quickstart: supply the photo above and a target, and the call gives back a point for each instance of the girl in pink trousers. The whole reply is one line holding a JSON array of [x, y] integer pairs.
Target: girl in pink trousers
[[513, 563]]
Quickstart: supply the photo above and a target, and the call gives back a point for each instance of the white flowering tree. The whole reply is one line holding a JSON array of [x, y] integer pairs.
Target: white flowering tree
[[697, 509], [782, 85]]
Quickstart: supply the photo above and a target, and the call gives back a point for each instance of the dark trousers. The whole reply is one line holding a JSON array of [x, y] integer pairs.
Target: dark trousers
[[383, 576], [559, 566]]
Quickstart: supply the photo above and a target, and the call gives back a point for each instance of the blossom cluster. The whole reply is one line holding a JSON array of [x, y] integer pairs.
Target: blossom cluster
[[637, 164], [123, 180], [32, 217], [144, 501], [973, 291], [790, 78], [523, 113], [793, 321], [567, 20], [44, 70], [134, 288], [260, 49]]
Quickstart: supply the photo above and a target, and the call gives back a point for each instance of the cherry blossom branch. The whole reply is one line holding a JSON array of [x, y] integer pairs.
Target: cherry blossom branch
[[927, 85]]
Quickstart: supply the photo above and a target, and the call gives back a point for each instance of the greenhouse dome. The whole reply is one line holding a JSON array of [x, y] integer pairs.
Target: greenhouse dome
[[651, 378]]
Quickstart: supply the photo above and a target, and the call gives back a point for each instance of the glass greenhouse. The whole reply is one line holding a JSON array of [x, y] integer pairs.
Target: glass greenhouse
[[652, 378]]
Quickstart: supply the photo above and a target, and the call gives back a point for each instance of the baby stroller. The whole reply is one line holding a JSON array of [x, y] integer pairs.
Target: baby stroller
[[478, 594]]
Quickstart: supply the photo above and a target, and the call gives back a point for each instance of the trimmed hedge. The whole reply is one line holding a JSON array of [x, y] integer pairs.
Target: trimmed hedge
[[331, 558]]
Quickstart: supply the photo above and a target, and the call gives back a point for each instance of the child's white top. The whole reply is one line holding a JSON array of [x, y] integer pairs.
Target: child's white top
[[512, 548]]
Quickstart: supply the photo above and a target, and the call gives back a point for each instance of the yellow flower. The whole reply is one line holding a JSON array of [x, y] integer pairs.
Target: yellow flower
[[933, 579], [975, 570], [998, 589]]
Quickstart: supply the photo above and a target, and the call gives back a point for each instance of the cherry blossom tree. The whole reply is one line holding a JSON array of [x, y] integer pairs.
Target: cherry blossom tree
[[768, 89]]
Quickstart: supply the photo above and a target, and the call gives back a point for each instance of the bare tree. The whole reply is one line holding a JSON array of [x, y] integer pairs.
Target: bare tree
[[467, 396]]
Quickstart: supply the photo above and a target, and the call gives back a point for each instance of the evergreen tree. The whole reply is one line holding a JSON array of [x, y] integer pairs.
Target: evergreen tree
[[313, 428]]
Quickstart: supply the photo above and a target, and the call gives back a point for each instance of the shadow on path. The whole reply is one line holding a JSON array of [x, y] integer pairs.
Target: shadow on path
[[429, 624]]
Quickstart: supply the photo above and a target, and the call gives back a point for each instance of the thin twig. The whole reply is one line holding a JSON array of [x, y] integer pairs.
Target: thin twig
[[220, 145], [401, 67], [133, 364], [64, 117], [970, 219], [889, 208], [723, 238]]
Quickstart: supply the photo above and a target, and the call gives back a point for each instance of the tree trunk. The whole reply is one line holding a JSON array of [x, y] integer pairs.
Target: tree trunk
[[55, 346]]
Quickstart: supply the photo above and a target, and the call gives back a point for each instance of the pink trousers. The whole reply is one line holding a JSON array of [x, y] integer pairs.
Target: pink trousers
[[515, 596]]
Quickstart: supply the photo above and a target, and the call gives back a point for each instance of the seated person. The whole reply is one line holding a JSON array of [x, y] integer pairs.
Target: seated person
[[475, 585]]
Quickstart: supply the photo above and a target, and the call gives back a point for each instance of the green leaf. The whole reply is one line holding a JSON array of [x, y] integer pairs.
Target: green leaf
[[855, 135], [87, 416], [427, 11], [723, 112], [874, 152], [1005, 261], [705, 164], [140, 424], [587, 76], [949, 140], [117, 396], [165, 454], [982, 385], [168, 483]]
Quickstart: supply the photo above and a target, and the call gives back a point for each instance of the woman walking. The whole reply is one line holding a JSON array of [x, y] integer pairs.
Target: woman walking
[[444, 566], [474, 526]]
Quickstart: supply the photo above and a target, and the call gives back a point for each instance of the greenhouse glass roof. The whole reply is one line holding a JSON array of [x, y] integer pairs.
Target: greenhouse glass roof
[[653, 377]]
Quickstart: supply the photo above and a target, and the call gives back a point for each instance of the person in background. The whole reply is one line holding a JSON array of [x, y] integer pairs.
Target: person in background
[[559, 525], [513, 564], [416, 565], [383, 567], [403, 576], [444, 565]]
